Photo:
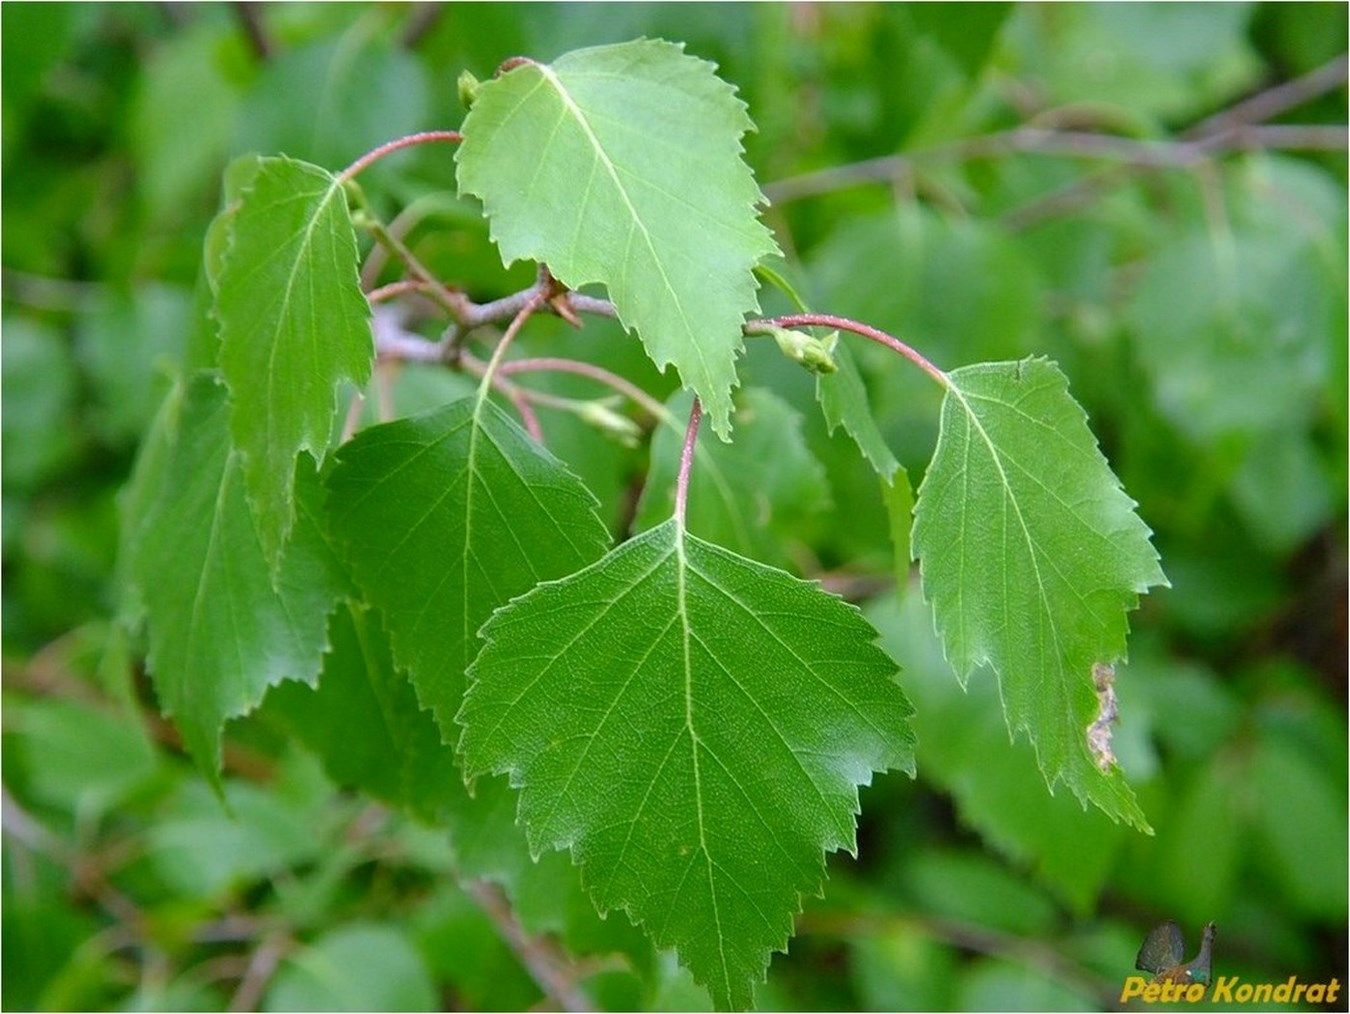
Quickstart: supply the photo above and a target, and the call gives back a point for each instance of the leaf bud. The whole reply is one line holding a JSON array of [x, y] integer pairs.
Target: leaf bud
[[612, 424], [468, 89], [813, 353]]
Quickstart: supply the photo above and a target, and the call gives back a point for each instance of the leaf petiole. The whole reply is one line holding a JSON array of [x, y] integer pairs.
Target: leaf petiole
[[687, 462], [389, 147]]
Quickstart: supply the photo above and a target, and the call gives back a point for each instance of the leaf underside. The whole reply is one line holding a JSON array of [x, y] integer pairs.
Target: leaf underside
[[1031, 556], [445, 516], [220, 631], [694, 727], [293, 326], [843, 401], [621, 165], [364, 723]]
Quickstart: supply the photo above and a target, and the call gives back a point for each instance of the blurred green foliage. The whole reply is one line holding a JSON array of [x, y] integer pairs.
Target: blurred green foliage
[[1199, 309]]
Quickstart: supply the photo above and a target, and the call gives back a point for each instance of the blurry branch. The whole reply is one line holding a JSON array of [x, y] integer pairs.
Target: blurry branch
[[88, 876], [1178, 154], [48, 673], [422, 21], [1235, 129], [1274, 101], [262, 964], [44, 293], [1237, 120], [551, 970], [978, 939], [250, 20]]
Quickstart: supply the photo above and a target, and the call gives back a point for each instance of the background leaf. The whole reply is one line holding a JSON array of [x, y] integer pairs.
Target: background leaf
[[357, 967], [219, 633], [750, 495]]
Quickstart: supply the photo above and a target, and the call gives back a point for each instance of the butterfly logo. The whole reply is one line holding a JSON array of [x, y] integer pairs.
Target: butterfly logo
[[1163, 954]]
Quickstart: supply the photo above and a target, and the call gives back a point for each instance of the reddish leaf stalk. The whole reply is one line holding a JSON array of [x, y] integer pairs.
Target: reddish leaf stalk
[[687, 462], [844, 324], [375, 154]]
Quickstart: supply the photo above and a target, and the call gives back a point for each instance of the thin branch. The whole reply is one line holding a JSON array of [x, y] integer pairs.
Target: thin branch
[[399, 288], [971, 938], [250, 20], [399, 227], [398, 144], [1142, 154], [525, 312], [454, 303], [589, 370], [549, 968], [88, 877], [45, 292], [687, 462], [262, 964], [1276, 100], [421, 22], [582, 303], [844, 324]]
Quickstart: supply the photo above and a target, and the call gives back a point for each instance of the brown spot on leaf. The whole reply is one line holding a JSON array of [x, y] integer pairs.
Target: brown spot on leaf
[[1099, 732]]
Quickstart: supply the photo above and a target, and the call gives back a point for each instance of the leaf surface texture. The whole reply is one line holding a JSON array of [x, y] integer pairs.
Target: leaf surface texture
[[220, 631], [694, 727], [445, 516], [293, 326], [621, 165]]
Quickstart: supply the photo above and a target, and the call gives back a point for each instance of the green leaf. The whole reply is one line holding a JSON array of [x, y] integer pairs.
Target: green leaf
[[136, 501], [1237, 337], [332, 99], [622, 165], [842, 394], [293, 326], [446, 516], [1031, 556], [748, 495], [200, 849], [546, 895], [220, 634], [694, 727], [359, 967], [83, 758], [1301, 821], [41, 390], [127, 342], [843, 400], [363, 722], [898, 494], [184, 113], [994, 784]]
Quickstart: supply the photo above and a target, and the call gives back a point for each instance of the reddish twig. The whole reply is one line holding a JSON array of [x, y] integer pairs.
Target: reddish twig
[[393, 289], [687, 462], [398, 144], [844, 324], [259, 970], [1275, 100], [589, 370]]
